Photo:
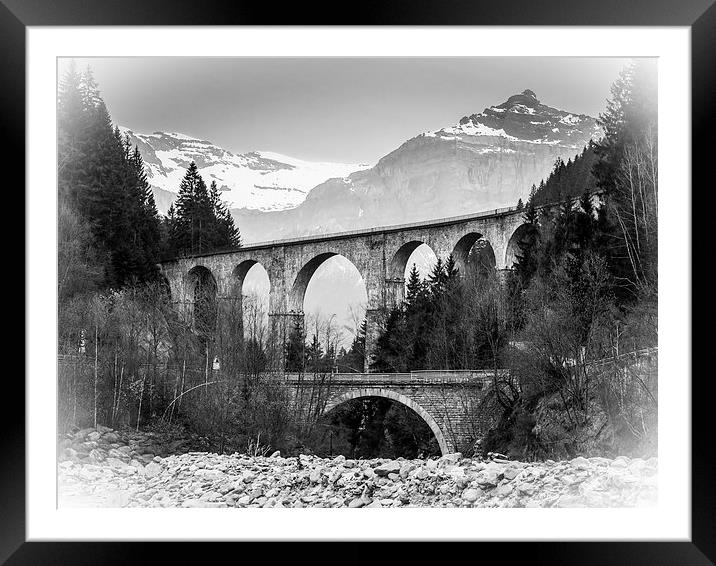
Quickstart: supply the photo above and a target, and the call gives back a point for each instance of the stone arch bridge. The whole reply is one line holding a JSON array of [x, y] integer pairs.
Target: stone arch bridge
[[450, 402], [379, 254]]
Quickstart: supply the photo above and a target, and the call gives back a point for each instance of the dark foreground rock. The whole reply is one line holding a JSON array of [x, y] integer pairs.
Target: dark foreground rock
[[119, 476]]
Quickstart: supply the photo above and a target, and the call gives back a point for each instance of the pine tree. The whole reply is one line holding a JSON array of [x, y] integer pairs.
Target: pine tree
[[89, 91], [393, 347], [315, 360], [199, 220], [436, 279], [145, 219], [451, 270], [103, 182], [355, 357], [80, 259], [71, 122], [296, 348], [530, 214], [414, 287], [225, 232], [627, 171], [193, 226]]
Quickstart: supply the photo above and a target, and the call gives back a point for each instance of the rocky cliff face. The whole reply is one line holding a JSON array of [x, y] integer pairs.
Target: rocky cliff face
[[487, 160]]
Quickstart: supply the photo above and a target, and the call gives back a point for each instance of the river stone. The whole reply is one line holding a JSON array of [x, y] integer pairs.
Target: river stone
[[449, 459], [357, 502], [470, 495], [97, 455], [81, 434], [511, 473], [489, 477], [390, 467], [152, 470], [579, 463], [242, 481]]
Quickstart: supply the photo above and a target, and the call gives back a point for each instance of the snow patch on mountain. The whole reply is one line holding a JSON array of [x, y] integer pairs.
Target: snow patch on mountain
[[522, 118], [258, 180]]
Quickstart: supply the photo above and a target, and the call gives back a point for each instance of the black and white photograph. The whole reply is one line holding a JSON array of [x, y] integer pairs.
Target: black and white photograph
[[357, 282]]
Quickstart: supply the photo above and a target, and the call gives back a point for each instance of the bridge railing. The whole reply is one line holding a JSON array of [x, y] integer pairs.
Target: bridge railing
[[367, 231], [420, 377]]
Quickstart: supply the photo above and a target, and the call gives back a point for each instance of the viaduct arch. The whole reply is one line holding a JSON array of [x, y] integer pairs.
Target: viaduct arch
[[379, 254]]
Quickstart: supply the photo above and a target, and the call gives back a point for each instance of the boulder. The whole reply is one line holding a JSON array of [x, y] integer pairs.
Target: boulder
[[82, 434], [470, 495], [511, 473], [152, 470], [449, 459], [96, 455], [390, 467], [579, 463]]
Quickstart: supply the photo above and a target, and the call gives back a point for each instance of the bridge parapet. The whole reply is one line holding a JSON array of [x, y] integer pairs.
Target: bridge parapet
[[473, 378]]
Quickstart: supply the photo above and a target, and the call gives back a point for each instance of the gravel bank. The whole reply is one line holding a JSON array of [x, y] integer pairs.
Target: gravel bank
[[105, 468]]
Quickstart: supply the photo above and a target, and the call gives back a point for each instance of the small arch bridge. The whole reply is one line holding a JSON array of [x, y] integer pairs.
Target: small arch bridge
[[450, 402]]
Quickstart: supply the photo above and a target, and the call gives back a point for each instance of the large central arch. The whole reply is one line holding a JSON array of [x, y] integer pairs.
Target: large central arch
[[300, 284], [396, 270], [445, 447]]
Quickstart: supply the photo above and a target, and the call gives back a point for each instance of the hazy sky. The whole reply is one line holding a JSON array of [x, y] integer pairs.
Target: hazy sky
[[333, 109]]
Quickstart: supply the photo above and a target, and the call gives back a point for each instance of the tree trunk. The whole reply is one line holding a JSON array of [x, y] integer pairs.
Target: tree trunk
[[96, 350]]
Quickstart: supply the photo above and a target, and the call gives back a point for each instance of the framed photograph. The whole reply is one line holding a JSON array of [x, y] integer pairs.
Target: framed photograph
[[402, 278]]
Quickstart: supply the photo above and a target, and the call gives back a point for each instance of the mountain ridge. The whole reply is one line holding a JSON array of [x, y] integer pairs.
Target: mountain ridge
[[485, 160], [255, 180]]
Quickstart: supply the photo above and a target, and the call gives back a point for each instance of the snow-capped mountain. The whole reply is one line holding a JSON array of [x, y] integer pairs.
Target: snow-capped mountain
[[257, 180], [523, 118], [486, 160]]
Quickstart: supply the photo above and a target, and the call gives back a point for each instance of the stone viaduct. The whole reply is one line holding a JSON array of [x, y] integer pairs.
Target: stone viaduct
[[379, 254], [450, 402]]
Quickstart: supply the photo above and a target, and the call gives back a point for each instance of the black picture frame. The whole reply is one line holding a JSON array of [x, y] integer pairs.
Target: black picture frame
[[700, 15]]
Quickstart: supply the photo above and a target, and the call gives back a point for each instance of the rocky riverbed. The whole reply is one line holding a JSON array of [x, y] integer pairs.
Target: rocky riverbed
[[106, 468]]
